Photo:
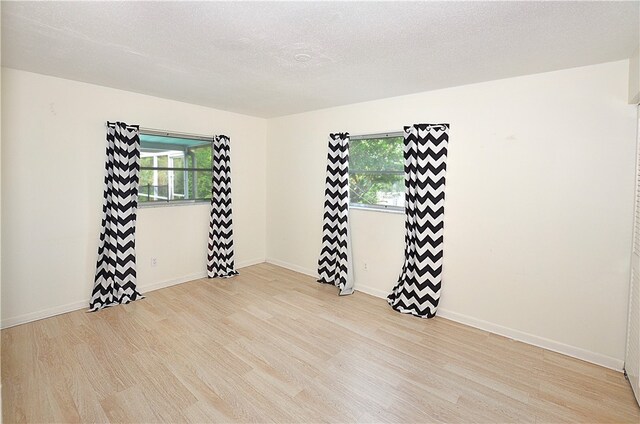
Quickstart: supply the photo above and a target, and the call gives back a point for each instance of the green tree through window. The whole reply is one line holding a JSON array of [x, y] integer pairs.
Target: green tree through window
[[376, 172]]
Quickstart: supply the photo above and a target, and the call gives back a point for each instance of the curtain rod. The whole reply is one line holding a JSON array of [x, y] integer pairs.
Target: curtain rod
[[165, 133], [377, 135], [113, 124]]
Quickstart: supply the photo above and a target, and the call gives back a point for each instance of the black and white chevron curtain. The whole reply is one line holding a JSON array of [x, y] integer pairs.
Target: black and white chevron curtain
[[115, 279], [220, 249], [334, 264], [425, 164]]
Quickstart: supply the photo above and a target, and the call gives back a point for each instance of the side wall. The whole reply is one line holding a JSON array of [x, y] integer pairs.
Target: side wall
[[634, 77], [53, 144], [0, 200], [538, 210]]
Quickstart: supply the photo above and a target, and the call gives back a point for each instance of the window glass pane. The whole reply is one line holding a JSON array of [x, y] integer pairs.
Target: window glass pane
[[146, 161], [202, 184], [202, 157], [179, 188], [167, 186], [146, 179], [376, 154], [151, 188], [377, 189], [163, 161], [171, 142], [376, 172], [174, 169]]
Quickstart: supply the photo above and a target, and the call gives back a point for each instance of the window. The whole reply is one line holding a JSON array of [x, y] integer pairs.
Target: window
[[174, 168], [376, 171]]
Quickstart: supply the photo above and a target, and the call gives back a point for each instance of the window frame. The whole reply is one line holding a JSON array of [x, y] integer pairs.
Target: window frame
[[174, 134], [371, 207]]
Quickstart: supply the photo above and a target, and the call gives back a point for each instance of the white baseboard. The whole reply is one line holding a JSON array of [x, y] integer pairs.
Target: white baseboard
[[249, 262], [84, 304], [195, 276], [44, 313], [576, 352], [370, 290], [143, 288], [555, 346], [292, 267]]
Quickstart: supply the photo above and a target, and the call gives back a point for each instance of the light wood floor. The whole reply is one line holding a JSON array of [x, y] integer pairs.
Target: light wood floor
[[272, 345]]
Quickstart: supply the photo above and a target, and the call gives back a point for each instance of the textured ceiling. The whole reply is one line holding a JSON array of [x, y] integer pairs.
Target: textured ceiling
[[241, 56]]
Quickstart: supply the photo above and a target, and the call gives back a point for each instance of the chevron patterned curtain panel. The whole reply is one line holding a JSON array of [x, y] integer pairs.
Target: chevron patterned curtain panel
[[425, 164], [220, 250], [115, 279], [334, 264]]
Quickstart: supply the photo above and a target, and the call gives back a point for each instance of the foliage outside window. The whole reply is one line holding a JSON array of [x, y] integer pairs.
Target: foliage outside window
[[376, 172], [174, 169]]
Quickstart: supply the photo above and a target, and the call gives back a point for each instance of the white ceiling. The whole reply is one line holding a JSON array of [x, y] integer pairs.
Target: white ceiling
[[241, 56]]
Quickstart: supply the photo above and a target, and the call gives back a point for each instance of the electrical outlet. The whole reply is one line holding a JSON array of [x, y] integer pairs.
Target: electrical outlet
[[366, 266], [154, 262]]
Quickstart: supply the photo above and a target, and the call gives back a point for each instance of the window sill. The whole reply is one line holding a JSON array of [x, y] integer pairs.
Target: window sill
[[152, 205], [377, 209]]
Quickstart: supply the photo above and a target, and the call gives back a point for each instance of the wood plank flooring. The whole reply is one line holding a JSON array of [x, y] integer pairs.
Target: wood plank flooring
[[271, 345]]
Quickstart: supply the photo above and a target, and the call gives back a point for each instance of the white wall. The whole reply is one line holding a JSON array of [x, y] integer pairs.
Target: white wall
[[52, 174], [538, 209], [0, 190], [0, 200], [634, 77]]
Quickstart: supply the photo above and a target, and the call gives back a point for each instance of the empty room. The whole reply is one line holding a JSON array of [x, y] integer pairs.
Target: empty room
[[319, 211]]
